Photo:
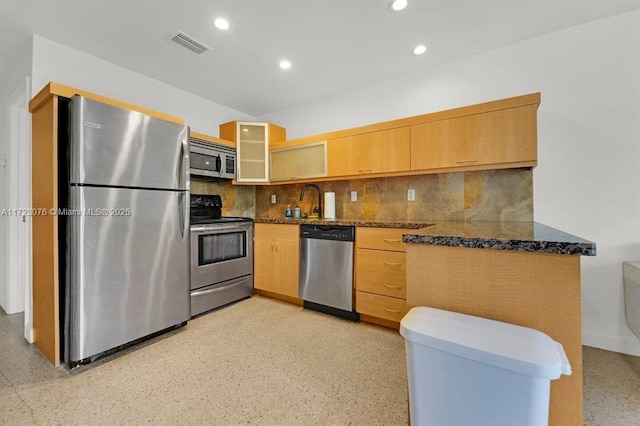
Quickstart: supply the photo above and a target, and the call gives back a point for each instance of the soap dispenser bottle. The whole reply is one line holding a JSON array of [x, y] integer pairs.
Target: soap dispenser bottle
[[287, 212], [296, 211]]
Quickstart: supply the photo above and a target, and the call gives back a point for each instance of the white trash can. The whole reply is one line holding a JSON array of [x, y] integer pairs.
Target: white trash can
[[465, 370]]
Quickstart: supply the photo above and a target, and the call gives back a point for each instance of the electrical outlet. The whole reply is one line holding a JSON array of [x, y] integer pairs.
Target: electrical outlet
[[273, 198], [411, 194], [354, 195]]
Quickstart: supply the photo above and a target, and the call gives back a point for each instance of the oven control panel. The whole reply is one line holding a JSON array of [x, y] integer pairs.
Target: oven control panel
[[206, 200]]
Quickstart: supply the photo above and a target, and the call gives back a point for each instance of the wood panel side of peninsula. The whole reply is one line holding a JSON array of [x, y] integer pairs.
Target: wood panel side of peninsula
[[536, 290]]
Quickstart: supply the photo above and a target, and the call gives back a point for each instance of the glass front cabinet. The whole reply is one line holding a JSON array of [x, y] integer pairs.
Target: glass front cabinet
[[252, 144]]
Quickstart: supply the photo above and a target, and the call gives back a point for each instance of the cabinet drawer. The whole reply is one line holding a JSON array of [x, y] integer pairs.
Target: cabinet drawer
[[382, 272], [276, 230], [388, 308], [381, 238]]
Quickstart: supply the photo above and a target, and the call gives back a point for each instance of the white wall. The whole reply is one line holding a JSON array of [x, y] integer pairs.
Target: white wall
[[15, 78], [588, 179], [56, 62]]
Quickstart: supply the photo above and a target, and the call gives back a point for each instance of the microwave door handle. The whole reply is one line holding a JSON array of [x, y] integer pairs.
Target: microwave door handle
[[219, 163]]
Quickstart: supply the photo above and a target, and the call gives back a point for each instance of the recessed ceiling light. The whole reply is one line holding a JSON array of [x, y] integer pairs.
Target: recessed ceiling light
[[420, 49], [221, 23], [398, 5], [285, 65]]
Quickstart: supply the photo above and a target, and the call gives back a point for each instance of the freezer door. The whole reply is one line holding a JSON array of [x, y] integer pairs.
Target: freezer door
[[129, 266], [117, 147]]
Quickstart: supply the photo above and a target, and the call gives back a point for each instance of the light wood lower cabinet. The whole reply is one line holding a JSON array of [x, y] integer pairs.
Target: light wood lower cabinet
[[276, 258], [387, 308], [381, 275], [382, 272]]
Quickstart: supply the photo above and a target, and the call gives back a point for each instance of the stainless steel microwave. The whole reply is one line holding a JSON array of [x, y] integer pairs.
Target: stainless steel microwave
[[212, 161]]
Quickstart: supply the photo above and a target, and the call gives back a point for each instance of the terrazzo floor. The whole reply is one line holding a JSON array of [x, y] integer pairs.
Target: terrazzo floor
[[260, 362]]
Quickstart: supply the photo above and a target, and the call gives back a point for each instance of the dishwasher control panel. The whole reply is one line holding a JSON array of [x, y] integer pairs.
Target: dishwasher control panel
[[328, 232]]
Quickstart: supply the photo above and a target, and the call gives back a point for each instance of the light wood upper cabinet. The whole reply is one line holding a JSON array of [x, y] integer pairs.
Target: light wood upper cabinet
[[252, 142], [276, 258], [495, 137], [299, 162], [499, 134], [376, 152]]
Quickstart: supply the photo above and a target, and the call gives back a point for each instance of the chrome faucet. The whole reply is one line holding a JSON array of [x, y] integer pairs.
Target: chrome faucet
[[304, 188]]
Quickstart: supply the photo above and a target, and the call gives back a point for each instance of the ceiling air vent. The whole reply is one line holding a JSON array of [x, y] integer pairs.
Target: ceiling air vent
[[188, 42]]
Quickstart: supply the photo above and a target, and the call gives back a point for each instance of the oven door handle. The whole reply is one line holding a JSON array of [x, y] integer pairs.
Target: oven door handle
[[212, 229]]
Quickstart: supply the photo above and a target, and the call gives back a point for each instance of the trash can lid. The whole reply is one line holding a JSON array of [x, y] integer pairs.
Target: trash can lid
[[511, 347]]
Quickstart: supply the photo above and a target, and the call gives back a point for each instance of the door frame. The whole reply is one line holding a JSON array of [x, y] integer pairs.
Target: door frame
[[18, 249]]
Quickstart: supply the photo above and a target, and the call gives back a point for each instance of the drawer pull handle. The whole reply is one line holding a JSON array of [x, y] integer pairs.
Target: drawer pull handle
[[392, 286], [391, 264], [392, 240], [466, 161], [365, 170], [393, 311]]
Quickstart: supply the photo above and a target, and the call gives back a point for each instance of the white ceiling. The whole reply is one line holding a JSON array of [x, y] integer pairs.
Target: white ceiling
[[334, 45]]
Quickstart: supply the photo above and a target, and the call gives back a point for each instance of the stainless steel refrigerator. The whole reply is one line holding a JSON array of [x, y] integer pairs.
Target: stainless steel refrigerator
[[126, 269]]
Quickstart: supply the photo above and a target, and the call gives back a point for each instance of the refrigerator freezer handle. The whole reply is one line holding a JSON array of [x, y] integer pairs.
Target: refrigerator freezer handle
[[183, 161]]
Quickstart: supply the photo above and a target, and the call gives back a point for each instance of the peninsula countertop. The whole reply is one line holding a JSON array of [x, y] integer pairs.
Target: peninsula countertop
[[531, 237]]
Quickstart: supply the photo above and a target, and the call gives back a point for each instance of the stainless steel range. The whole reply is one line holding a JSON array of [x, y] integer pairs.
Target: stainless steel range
[[221, 255]]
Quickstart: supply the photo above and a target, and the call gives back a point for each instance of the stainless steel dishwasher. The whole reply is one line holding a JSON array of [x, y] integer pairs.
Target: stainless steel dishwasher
[[326, 269]]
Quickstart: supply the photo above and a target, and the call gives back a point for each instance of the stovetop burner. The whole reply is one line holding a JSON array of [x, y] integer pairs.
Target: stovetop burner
[[207, 209]]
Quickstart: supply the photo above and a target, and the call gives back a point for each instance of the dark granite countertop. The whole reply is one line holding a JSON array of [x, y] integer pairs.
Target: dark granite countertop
[[529, 237], [400, 223]]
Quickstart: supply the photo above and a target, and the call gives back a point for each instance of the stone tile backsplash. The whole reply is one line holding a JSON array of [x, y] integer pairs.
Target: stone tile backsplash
[[237, 200], [502, 195]]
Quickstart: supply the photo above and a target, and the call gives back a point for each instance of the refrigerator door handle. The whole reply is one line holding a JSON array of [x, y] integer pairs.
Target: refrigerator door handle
[[183, 207]]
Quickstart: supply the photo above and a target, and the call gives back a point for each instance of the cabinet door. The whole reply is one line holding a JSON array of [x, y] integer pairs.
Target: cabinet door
[[287, 266], [299, 162], [276, 258], [253, 151], [377, 152], [496, 137], [252, 144], [263, 262]]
